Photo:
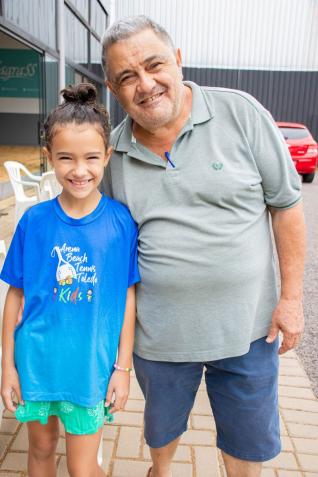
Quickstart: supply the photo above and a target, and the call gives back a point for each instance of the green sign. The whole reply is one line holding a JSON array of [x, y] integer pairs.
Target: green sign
[[19, 73]]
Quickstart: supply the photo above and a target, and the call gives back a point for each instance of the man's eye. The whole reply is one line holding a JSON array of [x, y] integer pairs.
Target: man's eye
[[127, 80], [93, 158], [65, 158], [155, 66]]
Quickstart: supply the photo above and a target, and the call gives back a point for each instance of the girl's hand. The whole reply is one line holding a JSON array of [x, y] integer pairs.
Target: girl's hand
[[118, 391], [10, 387]]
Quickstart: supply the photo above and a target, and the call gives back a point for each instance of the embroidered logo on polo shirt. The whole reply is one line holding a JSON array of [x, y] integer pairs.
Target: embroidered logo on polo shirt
[[217, 166]]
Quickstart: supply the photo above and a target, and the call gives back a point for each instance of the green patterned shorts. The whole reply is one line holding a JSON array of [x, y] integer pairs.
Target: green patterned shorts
[[76, 419]]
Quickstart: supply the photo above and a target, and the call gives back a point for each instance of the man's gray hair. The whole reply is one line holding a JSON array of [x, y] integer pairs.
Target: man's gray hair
[[128, 26]]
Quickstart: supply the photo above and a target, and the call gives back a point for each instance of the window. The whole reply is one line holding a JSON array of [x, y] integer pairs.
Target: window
[[98, 18], [37, 17], [294, 133], [96, 50], [76, 46], [82, 7], [51, 82]]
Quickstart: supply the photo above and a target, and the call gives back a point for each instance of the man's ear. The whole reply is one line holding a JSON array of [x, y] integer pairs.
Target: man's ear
[[110, 87], [178, 57]]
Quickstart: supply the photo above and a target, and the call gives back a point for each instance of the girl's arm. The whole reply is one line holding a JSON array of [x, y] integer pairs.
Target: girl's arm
[[10, 384], [119, 382], [127, 335]]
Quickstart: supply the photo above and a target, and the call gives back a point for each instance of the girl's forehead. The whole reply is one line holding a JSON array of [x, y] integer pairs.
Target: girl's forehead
[[78, 136], [76, 128], [78, 132]]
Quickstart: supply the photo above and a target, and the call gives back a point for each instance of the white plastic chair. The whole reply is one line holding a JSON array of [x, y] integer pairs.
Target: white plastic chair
[[49, 186], [22, 201]]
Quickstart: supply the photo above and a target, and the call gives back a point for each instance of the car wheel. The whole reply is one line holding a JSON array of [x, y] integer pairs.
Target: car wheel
[[308, 177]]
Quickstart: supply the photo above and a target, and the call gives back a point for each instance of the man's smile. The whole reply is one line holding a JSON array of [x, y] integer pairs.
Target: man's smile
[[151, 99]]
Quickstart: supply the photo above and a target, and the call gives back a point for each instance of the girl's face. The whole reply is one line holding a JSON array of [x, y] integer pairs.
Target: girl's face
[[78, 157]]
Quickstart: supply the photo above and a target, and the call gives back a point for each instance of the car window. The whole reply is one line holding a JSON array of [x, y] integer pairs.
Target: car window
[[294, 133]]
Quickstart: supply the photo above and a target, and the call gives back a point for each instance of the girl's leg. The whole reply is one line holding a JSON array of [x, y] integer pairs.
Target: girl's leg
[[43, 440], [81, 454]]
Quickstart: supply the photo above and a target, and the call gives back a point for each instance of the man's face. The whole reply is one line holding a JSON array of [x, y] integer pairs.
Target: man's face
[[144, 74]]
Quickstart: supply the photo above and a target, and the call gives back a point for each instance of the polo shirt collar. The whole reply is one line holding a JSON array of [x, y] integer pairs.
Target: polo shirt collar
[[124, 139], [201, 112]]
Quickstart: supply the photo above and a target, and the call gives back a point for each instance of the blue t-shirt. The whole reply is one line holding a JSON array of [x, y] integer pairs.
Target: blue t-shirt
[[74, 274]]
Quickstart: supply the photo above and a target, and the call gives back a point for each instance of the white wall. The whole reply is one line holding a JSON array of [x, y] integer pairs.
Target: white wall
[[20, 105], [256, 34]]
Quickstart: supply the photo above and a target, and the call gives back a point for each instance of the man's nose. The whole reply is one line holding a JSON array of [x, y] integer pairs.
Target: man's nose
[[146, 82]]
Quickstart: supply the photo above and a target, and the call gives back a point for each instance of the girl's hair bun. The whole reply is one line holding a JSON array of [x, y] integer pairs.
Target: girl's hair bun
[[80, 106], [80, 93]]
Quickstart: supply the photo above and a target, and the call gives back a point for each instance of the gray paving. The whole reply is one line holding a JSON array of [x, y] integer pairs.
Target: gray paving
[[308, 348]]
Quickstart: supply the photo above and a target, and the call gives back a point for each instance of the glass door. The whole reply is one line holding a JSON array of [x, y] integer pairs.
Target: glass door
[[21, 106]]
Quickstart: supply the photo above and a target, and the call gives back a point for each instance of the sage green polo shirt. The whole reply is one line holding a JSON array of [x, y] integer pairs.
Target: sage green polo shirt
[[208, 286]]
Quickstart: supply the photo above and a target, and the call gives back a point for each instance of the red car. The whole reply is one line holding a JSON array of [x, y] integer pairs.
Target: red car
[[302, 147]]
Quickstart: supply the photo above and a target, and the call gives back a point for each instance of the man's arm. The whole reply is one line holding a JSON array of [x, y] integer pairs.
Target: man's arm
[[289, 232]]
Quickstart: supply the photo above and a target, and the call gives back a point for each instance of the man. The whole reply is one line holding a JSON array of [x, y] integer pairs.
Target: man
[[201, 170]]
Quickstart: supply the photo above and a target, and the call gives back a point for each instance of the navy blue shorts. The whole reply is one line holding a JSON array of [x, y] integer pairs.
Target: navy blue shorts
[[243, 393]]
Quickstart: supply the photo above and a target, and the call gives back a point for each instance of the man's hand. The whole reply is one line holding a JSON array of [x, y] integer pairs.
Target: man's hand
[[288, 318], [118, 391], [10, 387]]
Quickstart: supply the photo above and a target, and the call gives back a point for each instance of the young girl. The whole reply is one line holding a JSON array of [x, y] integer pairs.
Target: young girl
[[74, 260]]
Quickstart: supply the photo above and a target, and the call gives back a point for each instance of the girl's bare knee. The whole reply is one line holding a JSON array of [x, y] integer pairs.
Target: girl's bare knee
[[42, 449], [43, 441]]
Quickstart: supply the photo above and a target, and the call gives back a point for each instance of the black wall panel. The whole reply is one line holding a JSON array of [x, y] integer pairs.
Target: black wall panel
[[19, 129]]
